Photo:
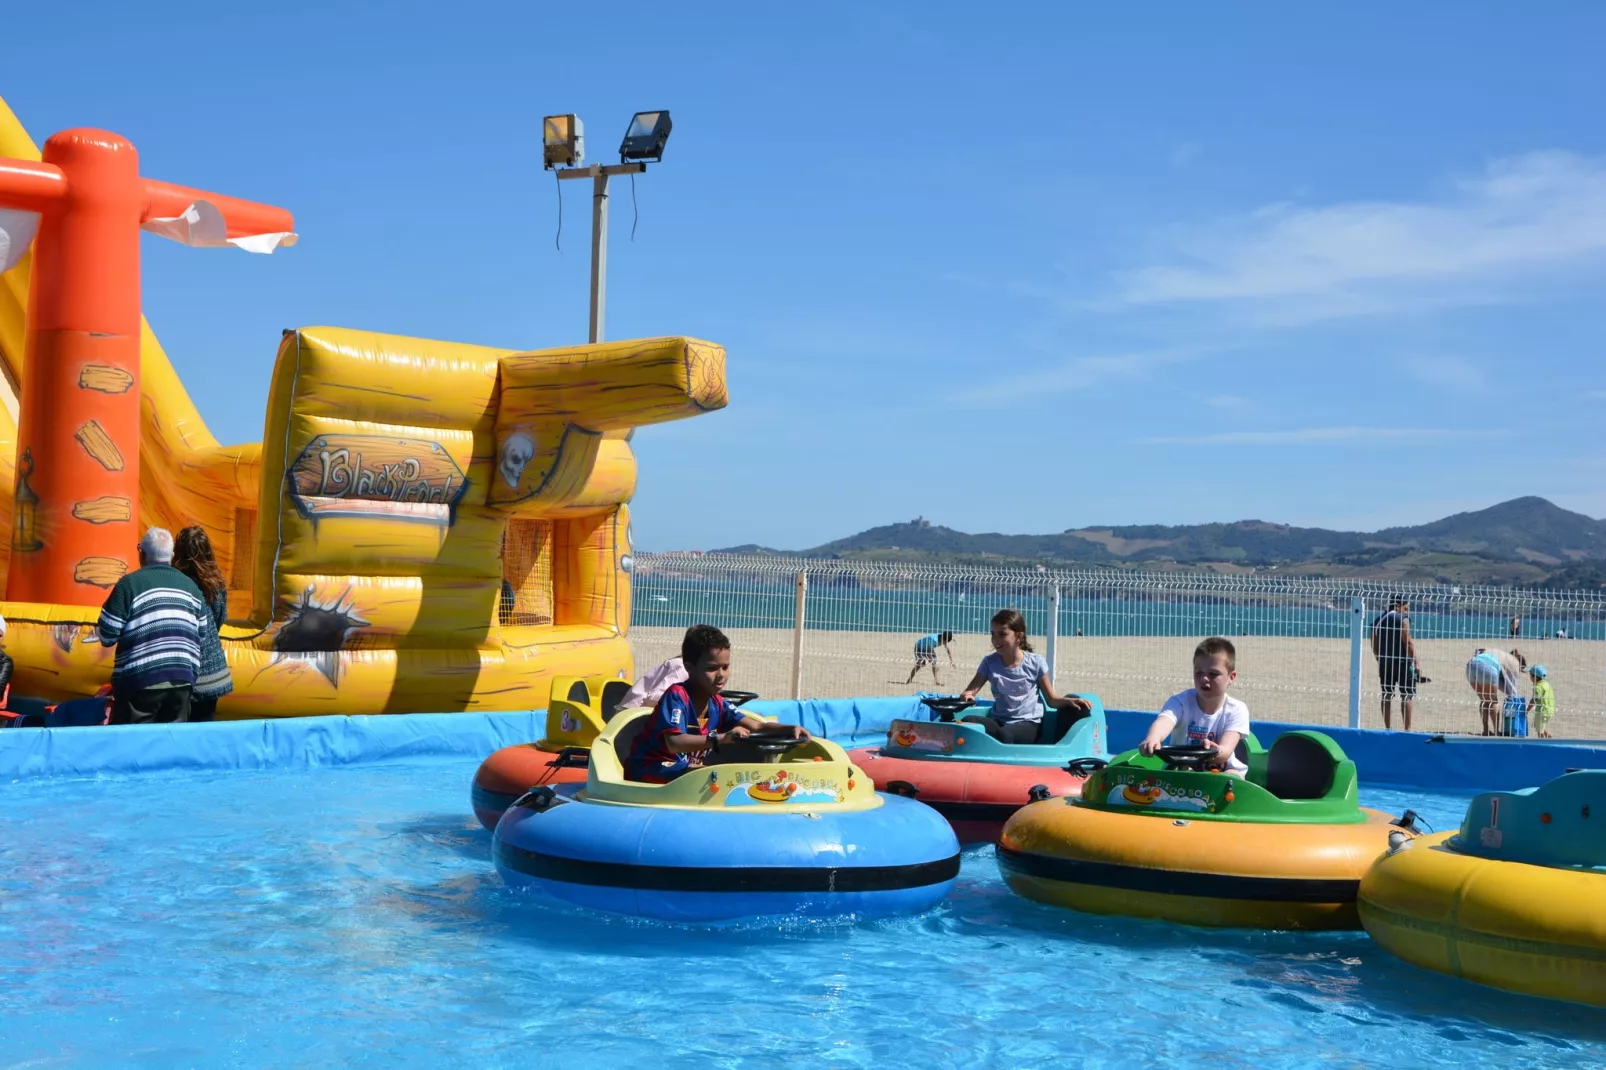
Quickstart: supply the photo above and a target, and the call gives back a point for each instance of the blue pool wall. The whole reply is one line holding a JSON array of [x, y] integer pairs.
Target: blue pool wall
[[1414, 759]]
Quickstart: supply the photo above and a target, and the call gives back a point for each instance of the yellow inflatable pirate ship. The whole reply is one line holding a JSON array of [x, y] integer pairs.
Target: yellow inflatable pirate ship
[[425, 526]]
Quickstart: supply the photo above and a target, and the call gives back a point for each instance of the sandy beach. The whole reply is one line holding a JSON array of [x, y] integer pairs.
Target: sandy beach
[[1282, 679]]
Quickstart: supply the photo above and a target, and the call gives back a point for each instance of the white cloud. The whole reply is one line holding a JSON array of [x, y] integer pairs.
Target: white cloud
[[1596, 395], [1227, 401], [1523, 214], [1325, 436], [1075, 374], [1449, 373], [1184, 153]]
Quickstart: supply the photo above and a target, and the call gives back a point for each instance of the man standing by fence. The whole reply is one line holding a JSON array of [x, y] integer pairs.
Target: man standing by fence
[[1395, 651]]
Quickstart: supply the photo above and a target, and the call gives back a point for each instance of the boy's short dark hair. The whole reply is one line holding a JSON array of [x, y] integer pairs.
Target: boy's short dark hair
[[1215, 646], [946, 637], [699, 640]]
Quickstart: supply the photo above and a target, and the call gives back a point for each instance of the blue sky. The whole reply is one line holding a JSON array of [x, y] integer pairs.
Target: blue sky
[[1012, 267]]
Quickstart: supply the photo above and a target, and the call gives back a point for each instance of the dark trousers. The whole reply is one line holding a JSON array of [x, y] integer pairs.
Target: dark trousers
[[203, 709], [1013, 732], [154, 705]]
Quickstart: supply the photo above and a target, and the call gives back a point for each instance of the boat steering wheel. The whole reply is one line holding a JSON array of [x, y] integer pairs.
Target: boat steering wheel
[[947, 707], [772, 747], [1190, 758]]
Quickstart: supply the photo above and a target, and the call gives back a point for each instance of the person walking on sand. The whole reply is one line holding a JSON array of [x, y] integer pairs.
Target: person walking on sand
[[1397, 669], [1516, 626], [926, 654]]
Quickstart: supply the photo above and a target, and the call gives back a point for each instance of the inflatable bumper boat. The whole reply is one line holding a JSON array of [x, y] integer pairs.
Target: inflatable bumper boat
[[1161, 837], [976, 782], [575, 715], [769, 826], [1516, 899]]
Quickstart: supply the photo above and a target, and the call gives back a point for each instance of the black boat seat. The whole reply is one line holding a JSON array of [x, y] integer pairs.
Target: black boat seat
[[612, 693], [1298, 767]]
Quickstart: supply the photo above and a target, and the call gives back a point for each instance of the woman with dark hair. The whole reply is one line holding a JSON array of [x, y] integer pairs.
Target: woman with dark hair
[[192, 555]]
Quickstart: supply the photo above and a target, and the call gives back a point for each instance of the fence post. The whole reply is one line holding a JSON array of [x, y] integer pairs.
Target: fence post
[[1357, 629], [1053, 633], [797, 633]]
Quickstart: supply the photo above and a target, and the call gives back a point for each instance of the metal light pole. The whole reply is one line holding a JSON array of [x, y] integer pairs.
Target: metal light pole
[[563, 151], [599, 175]]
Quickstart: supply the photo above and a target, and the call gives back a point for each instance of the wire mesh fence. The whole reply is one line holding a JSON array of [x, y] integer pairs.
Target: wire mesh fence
[[1304, 644]]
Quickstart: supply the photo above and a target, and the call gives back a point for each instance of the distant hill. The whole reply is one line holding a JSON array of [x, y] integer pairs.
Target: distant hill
[[1526, 540]]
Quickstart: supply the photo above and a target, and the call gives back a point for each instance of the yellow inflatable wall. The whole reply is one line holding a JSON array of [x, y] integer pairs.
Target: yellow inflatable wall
[[426, 526]]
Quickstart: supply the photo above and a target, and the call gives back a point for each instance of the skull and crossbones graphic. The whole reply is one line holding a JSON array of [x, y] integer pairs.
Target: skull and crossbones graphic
[[516, 451]]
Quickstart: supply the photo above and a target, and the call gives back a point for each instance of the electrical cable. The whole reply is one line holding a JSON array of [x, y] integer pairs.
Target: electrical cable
[[558, 240], [633, 207]]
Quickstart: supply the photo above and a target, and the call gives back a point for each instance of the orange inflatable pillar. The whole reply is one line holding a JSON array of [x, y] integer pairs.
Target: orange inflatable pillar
[[76, 524]]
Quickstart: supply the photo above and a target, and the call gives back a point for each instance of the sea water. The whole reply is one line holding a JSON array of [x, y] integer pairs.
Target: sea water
[[837, 604], [352, 917]]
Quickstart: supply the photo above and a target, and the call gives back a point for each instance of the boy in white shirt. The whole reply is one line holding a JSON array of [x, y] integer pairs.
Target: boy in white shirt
[[1205, 715]]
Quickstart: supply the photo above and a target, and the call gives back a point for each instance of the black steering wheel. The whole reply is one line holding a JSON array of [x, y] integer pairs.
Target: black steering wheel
[[945, 708], [737, 698], [1085, 766], [1190, 758], [772, 747]]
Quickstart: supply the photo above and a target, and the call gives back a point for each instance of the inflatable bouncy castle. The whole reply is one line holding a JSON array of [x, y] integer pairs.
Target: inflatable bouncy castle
[[425, 526]]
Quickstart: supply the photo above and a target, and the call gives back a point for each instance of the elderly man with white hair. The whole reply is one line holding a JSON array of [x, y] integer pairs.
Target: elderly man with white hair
[[154, 619]]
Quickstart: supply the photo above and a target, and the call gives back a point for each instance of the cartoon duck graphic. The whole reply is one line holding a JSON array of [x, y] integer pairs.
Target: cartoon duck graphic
[[905, 737], [777, 789], [1143, 794]]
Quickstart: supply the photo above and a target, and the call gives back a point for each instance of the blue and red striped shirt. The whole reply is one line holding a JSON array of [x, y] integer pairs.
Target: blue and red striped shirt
[[651, 760]]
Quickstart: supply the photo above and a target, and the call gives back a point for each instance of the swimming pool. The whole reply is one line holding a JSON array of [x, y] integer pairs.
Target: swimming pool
[[352, 917]]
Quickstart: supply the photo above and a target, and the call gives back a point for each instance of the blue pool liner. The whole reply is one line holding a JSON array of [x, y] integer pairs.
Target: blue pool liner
[[1416, 759]]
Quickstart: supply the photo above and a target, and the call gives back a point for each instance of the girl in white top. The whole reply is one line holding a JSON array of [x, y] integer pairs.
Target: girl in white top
[[1205, 715]]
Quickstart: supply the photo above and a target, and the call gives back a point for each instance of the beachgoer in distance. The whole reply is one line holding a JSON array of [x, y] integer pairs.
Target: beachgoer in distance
[[192, 555], [1205, 715], [1516, 626], [926, 654], [154, 617], [1544, 702], [1493, 674], [1017, 677], [692, 718], [1397, 667]]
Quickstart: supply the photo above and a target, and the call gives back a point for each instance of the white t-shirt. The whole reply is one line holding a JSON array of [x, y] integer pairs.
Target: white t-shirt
[[1194, 726]]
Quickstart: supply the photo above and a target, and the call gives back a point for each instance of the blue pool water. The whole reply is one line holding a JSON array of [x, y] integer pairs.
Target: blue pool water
[[351, 917]]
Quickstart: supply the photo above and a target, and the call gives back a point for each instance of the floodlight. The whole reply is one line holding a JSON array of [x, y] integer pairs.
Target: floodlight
[[646, 137], [563, 141]]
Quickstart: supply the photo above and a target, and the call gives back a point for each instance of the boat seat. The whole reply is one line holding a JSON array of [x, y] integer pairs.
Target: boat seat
[[1057, 724], [1298, 767], [612, 693], [579, 694], [627, 739]]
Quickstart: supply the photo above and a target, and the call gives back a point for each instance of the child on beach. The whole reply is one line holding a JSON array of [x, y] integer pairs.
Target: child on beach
[[1205, 715], [926, 654], [692, 718], [1544, 704], [1017, 675]]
